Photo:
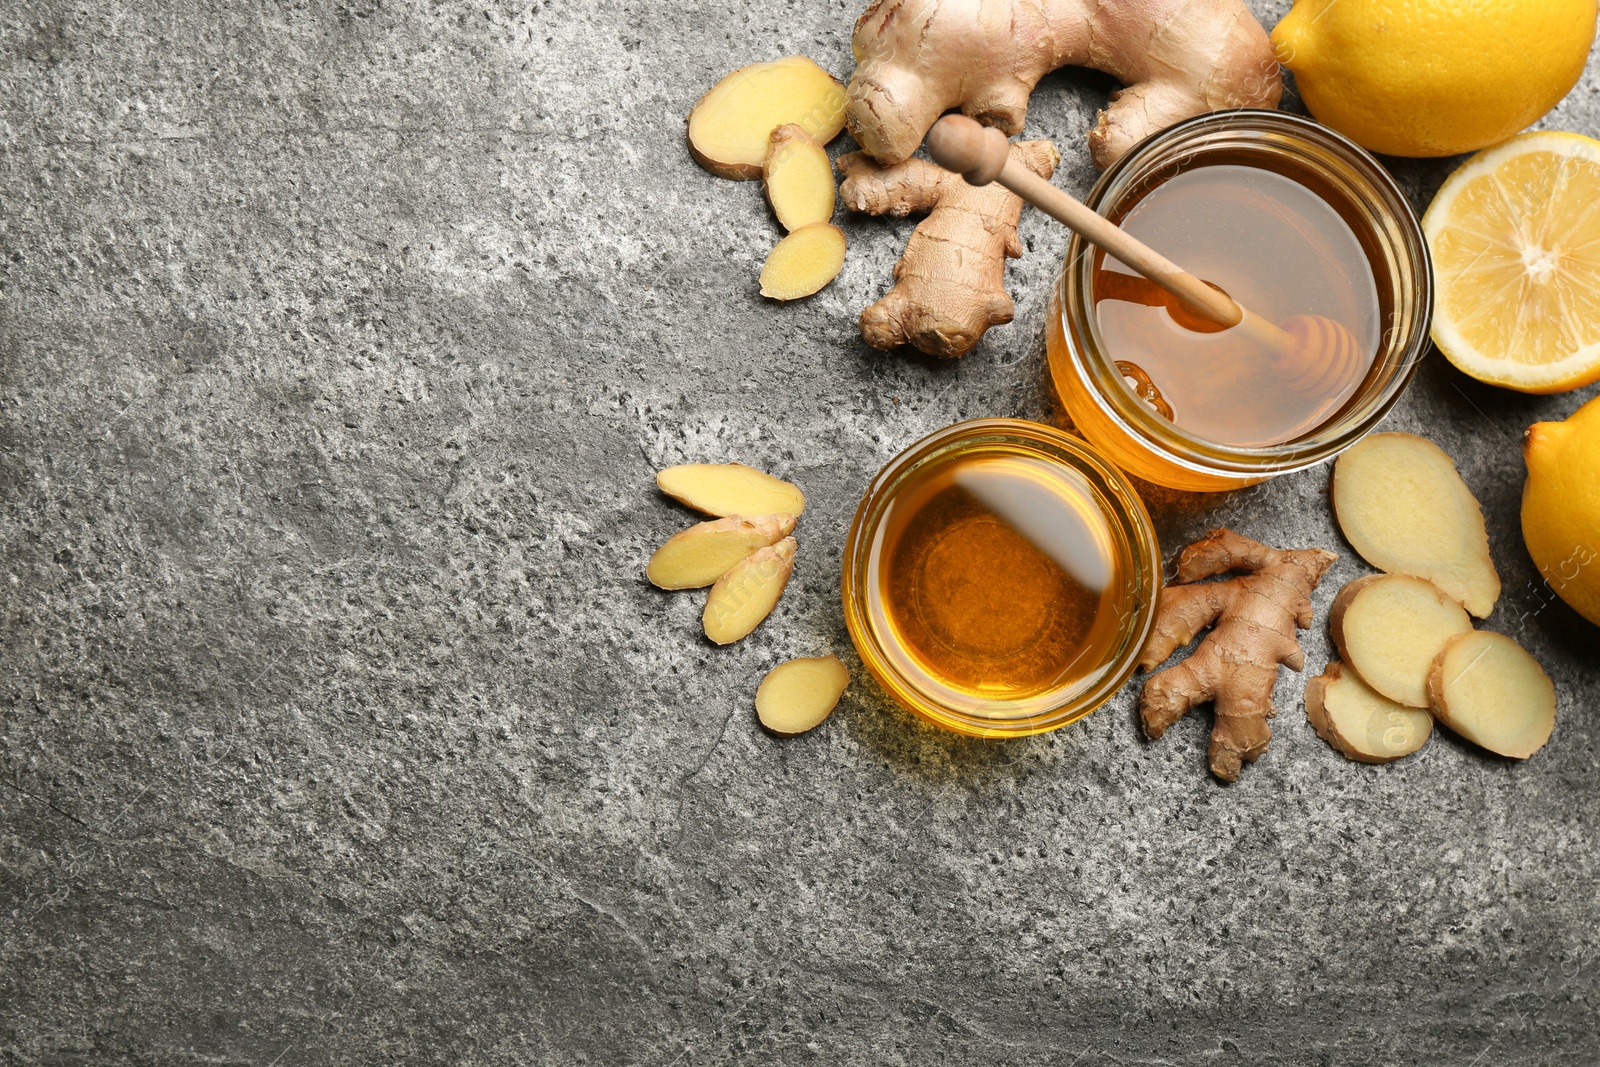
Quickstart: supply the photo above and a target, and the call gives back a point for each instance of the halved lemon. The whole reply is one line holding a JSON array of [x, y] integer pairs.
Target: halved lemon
[[1515, 236]]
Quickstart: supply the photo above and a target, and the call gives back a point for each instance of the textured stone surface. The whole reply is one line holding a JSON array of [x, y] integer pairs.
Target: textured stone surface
[[338, 345]]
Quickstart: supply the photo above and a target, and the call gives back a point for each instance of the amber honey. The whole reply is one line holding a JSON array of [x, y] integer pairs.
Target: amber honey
[[1276, 246], [1290, 219], [996, 577]]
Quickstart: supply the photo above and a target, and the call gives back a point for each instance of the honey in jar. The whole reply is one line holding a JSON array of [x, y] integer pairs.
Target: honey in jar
[[1275, 246], [1292, 221]]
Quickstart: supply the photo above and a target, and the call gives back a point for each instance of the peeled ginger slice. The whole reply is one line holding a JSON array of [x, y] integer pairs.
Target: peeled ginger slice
[[729, 129], [1363, 725], [1389, 628], [798, 695], [803, 262], [706, 551], [748, 592], [725, 489], [1485, 687], [1403, 506], [798, 178]]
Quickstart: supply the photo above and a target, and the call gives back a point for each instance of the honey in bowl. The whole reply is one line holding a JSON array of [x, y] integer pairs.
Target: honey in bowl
[[997, 577], [1000, 578], [1275, 246]]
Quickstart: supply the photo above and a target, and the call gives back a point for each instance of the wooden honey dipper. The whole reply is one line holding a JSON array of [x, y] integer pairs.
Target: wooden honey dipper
[[1316, 354]]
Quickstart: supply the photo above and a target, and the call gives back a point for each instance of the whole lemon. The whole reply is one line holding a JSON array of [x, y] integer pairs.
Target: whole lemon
[[1561, 506], [1434, 77]]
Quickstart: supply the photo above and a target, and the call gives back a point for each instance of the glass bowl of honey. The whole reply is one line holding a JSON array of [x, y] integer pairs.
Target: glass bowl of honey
[[1000, 578], [1288, 218]]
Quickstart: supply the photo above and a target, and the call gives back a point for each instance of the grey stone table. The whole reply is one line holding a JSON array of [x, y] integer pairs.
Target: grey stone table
[[338, 345]]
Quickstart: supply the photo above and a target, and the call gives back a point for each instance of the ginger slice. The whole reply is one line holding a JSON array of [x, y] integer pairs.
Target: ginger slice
[[729, 129], [803, 262], [1389, 628], [798, 695], [725, 489], [704, 552], [1403, 506], [748, 592], [798, 178], [1487, 688], [1363, 725]]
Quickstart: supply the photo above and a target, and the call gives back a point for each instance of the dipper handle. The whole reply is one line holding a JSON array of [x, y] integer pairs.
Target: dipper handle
[[981, 154]]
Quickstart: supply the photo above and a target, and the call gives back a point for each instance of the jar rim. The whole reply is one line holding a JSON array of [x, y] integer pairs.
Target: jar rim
[[1129, 520], [1387, 213]]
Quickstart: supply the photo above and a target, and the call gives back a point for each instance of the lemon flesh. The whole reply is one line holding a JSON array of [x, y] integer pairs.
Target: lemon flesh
[[1515, 237]]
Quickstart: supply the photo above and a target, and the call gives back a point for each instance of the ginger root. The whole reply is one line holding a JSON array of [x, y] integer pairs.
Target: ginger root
[[798, 178], [1177, 59], [704, 552], [1485, 687], [803, 262], [1389, 628], [724, 489], [747, 594], [950, 283], [1254, 616], [798, 695], [1403, 506], [730, 129], [1363, 725]]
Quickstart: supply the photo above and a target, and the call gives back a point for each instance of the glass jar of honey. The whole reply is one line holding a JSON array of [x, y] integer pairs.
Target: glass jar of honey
[[1000, 578], [1288, 218]]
